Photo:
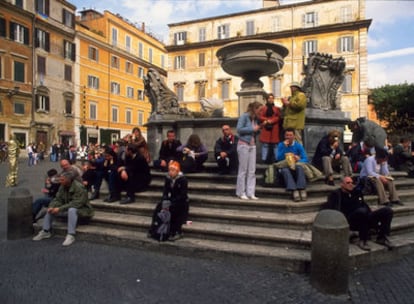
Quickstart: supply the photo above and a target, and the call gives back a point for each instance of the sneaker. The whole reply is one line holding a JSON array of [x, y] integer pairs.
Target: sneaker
[[253, 197], [296, 196], [303, 195], [68, 240], [243, 197], [42, 235]]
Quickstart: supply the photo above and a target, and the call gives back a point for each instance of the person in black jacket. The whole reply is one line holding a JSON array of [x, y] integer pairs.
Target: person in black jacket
[[225, 151], [168, 151], [329, 157], [359, 215], [135, 174], [50, 189]]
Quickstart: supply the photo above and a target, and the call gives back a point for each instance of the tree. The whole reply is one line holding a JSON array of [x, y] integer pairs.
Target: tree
[[395, 105]]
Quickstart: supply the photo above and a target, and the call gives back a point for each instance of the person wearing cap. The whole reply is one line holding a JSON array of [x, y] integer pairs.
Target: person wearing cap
[[294, 110], [72, 201], [381, 178], [329, 156]]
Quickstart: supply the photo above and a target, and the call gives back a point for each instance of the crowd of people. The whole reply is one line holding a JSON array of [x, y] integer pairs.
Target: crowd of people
[[125, 167]]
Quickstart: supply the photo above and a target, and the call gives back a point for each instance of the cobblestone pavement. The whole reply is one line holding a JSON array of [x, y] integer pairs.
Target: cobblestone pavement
[[39, 272]]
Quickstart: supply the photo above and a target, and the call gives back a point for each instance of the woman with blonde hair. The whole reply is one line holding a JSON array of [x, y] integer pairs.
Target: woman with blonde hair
[[248, 127]]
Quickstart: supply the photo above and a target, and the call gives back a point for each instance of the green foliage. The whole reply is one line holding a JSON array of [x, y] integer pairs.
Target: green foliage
[[395, 104]]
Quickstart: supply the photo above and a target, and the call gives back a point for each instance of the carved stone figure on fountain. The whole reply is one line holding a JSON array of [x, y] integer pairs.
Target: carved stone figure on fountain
[[163, 100], [323, 77]]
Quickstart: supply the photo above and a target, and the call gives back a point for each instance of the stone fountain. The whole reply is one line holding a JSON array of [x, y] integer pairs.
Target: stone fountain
[[251, 59]]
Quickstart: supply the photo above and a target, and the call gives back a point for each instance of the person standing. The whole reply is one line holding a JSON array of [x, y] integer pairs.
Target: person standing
[[248, 127], [294, 111], [225, 151], [359, 215], [30, 154], [269, 135], [293, 174]]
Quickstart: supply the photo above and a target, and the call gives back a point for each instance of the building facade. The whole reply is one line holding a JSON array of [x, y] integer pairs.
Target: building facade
[[114, 56], [336, 27]]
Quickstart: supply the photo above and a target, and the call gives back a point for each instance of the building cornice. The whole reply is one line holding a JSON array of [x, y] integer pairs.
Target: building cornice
[[324, 29]]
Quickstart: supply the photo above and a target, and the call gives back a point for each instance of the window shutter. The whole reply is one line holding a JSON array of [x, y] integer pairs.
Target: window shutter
[[26, 35], [338, 45], [47, 103], [175, 63], [47, 7], [351, 42], [12, 29], [175, 38], [304, 48], [2, 27], [73, 46], [37, 102], [73, 20], [316, 46], [47, 42], [37, 43], [63, 15], [183, 62], [97, 83]]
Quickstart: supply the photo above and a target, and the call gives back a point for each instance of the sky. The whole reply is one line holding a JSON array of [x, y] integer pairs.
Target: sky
[[390, 38]]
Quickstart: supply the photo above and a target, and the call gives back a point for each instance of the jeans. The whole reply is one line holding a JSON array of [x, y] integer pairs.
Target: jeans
[[72, 220], [294, 180], [266, 149], [246, 176]]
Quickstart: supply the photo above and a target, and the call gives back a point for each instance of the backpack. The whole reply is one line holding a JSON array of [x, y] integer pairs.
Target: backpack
[[272, 177]]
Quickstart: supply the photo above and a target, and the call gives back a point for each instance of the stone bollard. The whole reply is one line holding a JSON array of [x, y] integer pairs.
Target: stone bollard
[[19, 214], [330, 253]]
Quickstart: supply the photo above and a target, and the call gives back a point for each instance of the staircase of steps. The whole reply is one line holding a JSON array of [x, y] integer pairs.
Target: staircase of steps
[[272, 230]]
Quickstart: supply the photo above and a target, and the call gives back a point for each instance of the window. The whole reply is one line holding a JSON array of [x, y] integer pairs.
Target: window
[[114, 114], [201, 86], [93, 53], [276, 87], [68, 106], [68, 18], [180, 38], [92, 111], [346, 13], [250, 27], [68, 72], [162, 61], [69, 50], [310, 19], [224, 90], [19, 33], [347, 84], [114, 37], [18, 108], [150, 55], [180, 92], [42, 40], [223, 31], [19, 3], [201, 59], [128, 43], [19, 71], [115, 62], [179, 62], [140, 118], [41, 65], [130, 92], [42, 7], [2, 27], [202, 34], [140, 94], [93, 82], [140, 49], [128, 116], [346, 44], [309, 47], [140, 72], [42, 103], [115, 88], [276, 24], [129, 67]]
